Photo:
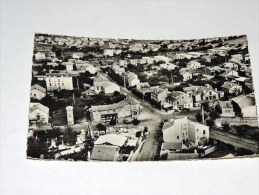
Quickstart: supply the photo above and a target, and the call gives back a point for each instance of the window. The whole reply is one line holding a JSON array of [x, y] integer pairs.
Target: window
[[177, 137], [50, 84], [204, 132]]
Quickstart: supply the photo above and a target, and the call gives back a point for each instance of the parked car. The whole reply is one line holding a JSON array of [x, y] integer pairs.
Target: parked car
[[128, 121], [185, 110]]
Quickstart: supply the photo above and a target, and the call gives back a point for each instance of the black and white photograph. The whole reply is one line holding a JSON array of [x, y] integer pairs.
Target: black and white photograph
[[131, 97], [97, 99]]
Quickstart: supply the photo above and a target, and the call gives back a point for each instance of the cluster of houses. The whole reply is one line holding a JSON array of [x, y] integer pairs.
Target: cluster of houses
[[176, 57]]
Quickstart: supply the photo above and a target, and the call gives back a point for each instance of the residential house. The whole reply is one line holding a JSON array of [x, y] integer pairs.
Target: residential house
[[39, 56], [118, 70], [132, 79], [185, 131], [59, 81], [230, 66], [237, 58], [227, 109], [193, 65], [69, 66], [179, 100], [38, 92], [159, 95], [229, 74], [98, 82], [38, 114], [108, 52], [109, 88], [203, 93], [77, 55], [129, 108], [107, 147], [186, 76], [168, 66], [231, 88]]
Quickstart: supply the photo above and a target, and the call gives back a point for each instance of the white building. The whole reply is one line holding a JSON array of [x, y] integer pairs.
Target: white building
[[38, 114], [70, 115], [132, 79], [193, 65], [69, 66], [40, 56], [109, 88], [59, 81], [38, 92], [186, 76], [98, 82], [108, 52], [182, 130]]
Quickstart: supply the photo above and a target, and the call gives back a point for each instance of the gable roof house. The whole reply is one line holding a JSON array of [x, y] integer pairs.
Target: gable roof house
[[186, 76], [109, 88], [38, 92], [38, 114], [227, 109], [159, 95], [107, 147], [39, 56], [231, 88], [132, 79], [231, 66], [202, 93], [179, 100], [193, 65], [98, 82]]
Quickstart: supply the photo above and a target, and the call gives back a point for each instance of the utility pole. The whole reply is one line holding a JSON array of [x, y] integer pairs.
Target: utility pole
[[172, 78], [74, 101], [202, 114]]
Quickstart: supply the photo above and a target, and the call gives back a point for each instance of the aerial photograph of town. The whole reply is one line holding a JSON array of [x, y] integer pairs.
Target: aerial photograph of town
[[125, 100]]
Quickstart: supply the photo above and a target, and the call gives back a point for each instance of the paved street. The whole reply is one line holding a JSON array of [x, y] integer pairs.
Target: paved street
[[151, 117], [235, 140]]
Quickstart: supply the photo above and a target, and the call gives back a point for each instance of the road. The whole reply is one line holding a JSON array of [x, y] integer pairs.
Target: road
[[235, 140], [151, 117]]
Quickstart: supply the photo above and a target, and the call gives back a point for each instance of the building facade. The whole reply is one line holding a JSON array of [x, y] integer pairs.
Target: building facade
[[59, 81]]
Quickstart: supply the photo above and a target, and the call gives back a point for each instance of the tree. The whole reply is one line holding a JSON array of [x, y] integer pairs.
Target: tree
[[35, 148], [214, 115], [226, 127], [136, 121], [210, 122], [101, 127], [206, 106], [70, 136], [198, 116]]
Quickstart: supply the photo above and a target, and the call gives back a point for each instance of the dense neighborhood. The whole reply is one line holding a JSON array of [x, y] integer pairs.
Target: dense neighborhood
[[96, 99]]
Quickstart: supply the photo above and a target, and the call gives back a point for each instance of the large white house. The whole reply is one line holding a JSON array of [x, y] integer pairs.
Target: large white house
[[38, 114], [184, 130], [59, 81], [109, 88], [38, 92]]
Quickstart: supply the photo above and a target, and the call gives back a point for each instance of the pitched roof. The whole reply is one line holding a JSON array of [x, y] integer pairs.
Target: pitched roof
[[104, 152], [228, 85], [121, 104], [35, 106], [38, 87], [111, 139], [245, 100], [225, 104]]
